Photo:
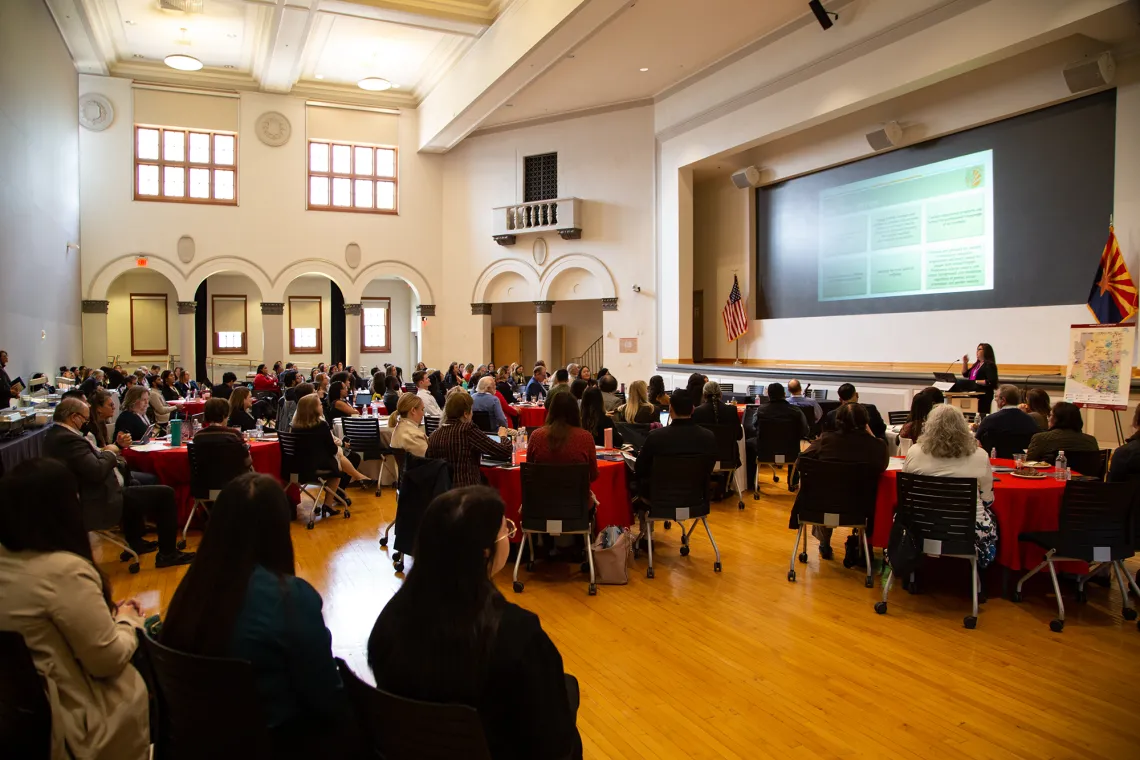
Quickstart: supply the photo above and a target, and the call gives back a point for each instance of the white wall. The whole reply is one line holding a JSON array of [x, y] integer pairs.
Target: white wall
[[402, 308], [39, 193], [119, 317]]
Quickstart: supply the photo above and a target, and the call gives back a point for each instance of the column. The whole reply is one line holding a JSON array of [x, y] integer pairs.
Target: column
[[431, 352], [186, 310], [273, 332], [95, 333], [483, 312], [543, 335], [352, 334], [612, 330]]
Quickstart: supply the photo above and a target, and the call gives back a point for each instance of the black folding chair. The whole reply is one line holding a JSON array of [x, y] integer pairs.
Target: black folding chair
[[396, 728], [817, 394], [421, 481], [897, 418], [363, 436], [556, 500], [25, 714], [1006, 443], [678, 491], [758, 390], [298, 453], [398, 456], [483, 421], [633, 433], [942, 514], [777, 443], [1095, 527], [206, 704], [728, 456], [834, 495], [431, 424], [1090, 464], [212, 466]]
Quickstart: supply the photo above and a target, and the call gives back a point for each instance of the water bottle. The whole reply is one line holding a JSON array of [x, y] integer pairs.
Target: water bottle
[[257, 430], [516, 450], [993, 453], [1062, 467]]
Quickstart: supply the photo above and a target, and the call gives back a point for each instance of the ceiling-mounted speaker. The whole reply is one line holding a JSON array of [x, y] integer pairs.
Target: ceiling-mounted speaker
[[1090, 73], [746, 177], [888, 137], [822, 15]]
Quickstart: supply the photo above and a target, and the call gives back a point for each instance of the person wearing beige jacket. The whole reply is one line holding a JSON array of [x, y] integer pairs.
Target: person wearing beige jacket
[[54, 596]]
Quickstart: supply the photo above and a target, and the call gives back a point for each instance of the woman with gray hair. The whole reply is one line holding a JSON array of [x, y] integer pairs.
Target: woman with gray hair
[[947, 448]]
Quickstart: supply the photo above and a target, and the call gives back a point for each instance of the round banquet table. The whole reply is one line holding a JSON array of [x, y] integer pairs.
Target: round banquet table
[[531, 416], [172, 467], [1020, 506], [610, 489], [189, 407]]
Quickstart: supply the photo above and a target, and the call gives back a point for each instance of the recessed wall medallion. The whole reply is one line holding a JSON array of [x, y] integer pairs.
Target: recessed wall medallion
[[273, 129], [539, 251], [95, 112]]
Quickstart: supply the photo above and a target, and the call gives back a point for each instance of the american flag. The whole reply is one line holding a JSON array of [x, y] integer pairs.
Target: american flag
[[735, 319]]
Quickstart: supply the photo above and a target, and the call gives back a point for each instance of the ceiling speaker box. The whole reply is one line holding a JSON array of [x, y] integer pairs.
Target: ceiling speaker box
[[889, 136], [1090, 73], [746, 177]]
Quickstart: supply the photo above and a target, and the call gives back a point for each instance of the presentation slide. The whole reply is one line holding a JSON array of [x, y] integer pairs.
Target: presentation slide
[[920, 231]]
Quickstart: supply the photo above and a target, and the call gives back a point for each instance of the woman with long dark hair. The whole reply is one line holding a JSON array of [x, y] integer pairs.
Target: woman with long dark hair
[[561, 439], [595, 421], [1038, 406], [436, 387], [449, 636], [242, 599], [52, 593], [696, 386], [982, 375], [657, 395], [920, 407], [339, 405]]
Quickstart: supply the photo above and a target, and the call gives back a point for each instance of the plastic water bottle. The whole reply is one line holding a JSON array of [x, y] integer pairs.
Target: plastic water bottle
[[993, 453], [1062, 465], [257, 430]]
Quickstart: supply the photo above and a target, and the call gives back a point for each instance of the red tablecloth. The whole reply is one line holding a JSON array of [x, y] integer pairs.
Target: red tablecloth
[[531, 416], [172, 466], [610, 489], [1019, 505], [191, 407]]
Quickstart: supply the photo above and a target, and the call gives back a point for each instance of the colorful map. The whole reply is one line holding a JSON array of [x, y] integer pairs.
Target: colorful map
[[1100, 365]]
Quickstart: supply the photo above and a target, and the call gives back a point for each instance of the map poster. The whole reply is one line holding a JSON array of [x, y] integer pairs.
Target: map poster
[[1099, 374]]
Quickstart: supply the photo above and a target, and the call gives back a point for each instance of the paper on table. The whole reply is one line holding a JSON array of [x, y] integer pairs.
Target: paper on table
[[942, 386], [144, 447], [896, 463]]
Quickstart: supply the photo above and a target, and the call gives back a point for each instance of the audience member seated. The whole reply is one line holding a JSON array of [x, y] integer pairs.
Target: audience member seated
[[216, 432], [448, 636], [637, 409], [777, 409], [1125, 463], [184, 385], [503, 383], [166, 386], [1037, 406], [608, 385], [535, 389], [847, 394], [561, 384], [241, 401], [681, 437], [391, 397], [696, 387], [310, 420], [851, 441], [485, 400], [93, 381], [585, 374], [423, 383], [577, 387], [595, 421], [561, 439], [129, 381], [460, 443], [104, 493], [1007, 420], [920, 406], [1064, 434], [102, 411], [81, 642], [406, 423], [714, 412], [656, 393], [947, 448], [242, 600], [225, 388], [796, 397], [263, 383], [159, 397], [509, 412], [339, 405], [132, 420]]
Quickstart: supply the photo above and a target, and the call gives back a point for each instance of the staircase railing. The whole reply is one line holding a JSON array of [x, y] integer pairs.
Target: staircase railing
[[591, 357]]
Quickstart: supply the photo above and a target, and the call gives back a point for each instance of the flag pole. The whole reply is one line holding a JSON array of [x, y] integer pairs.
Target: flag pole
[[737, 344]]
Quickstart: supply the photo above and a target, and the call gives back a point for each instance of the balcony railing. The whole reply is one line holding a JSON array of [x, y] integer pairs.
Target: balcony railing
[[561, 215]]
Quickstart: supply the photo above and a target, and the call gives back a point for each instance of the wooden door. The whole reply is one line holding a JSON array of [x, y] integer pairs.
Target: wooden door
[[506, 345]]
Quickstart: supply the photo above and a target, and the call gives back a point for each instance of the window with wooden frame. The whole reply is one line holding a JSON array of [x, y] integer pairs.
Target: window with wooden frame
[[376, 325], [185, 165], [229, 324], [149, 324], [352, 177], [305, 324]]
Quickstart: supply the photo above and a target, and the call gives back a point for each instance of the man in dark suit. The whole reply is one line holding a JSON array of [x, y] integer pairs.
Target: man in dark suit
[[776, 410], [682, 437], [714, 412], [848, 395], [226, 388], [106, 499], [535, 390], [1008, 420]]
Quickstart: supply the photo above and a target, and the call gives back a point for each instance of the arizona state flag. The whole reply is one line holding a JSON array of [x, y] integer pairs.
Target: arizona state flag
[[1113, 295]]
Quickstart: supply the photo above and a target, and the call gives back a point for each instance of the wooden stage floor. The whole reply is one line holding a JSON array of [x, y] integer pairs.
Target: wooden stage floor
[[743, 664]]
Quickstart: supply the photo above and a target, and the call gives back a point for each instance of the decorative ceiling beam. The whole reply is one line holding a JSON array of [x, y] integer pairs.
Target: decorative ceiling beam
[[83, 25], [279, 66], [463, 25]]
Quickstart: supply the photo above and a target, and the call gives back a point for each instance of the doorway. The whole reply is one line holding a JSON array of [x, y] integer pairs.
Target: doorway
[[698, 326]]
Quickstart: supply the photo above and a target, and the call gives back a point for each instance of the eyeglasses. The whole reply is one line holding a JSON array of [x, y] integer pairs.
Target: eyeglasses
[[511, 531]]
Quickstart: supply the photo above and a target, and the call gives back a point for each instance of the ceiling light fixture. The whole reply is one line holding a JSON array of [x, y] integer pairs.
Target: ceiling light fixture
[[182, 62], [644, 68], [374, 84]]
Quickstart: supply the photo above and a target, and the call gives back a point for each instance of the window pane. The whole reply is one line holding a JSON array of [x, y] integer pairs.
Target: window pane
[[224, 184], [173, 146], [363, 197], [342, 159], [374, 316], [374, 337], [199, 183], [229, 340], [305, 337], [224, 150], [386, 195], [318, 157], [363, 161], [148, 177], [174, 181], [319, 191], [199, 148], [148, 144], [385, 162], [342, 191]]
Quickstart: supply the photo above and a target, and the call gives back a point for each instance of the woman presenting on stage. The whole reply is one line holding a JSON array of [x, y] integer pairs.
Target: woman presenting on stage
[[983, 375]]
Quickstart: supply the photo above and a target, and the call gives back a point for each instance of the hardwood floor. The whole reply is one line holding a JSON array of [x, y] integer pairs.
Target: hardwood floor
[[743, 664]]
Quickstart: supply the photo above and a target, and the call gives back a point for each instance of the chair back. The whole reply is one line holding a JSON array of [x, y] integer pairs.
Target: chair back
[[678, 487], [633, 433], [299, 455], [748, 421], [556, 497], [206, 704], [758, 390], [897, 418], [941, 511], [727, 447], [396, 728], [25, 715], [777, 441], [819, 394], [431, 424], [213, 465], [398, 456], [1007, 443], [836, 494], [483, 421], [726, 389], [1090, 463], [1096, 520], [421, 480], [364, 436]]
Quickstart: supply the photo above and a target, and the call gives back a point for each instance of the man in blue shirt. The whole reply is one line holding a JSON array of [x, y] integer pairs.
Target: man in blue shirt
[[535, 389], [798, 399], [485, 400]]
